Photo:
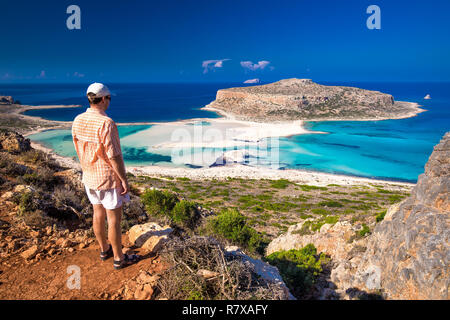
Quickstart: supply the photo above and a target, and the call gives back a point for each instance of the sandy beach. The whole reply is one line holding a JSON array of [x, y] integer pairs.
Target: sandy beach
[[226, 133], [247, 172]]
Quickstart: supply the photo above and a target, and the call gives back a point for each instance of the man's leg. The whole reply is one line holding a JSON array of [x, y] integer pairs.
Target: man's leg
[[99, 226], [115, 231]]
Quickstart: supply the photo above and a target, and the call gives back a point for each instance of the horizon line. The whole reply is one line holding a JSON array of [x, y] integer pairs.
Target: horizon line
[[224, 81]]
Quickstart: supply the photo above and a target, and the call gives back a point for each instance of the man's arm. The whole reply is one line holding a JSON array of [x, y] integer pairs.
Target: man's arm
[[111, 142], [119, 168]]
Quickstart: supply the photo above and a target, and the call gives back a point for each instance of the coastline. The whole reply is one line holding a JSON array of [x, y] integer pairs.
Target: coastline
[[241, 171], [247, 172], [221, 172], [61, 160]]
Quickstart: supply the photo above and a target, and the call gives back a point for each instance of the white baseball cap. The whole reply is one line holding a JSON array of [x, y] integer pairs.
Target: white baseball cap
[[99, 89]]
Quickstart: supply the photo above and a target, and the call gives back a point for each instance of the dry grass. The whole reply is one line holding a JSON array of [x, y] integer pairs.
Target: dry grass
[[232, 279]]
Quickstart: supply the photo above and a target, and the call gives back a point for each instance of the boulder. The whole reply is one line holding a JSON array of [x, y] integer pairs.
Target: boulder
[[263, 269], [149, 236], [144, 292], [21, 188], [30, 253], [13, 142]]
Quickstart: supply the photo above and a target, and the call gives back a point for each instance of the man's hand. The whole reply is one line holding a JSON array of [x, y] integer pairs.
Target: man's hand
[[119, 168], [125, 187]]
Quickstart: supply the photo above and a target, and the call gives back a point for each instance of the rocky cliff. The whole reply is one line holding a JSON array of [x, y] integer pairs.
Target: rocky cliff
[[291, 99], [408, 254]]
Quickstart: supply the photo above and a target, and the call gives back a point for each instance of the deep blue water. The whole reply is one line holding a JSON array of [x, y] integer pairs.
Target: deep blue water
[[392, 149], [132, 103]]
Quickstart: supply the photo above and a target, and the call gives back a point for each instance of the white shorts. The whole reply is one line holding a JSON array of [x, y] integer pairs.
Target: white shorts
[[110, 199]]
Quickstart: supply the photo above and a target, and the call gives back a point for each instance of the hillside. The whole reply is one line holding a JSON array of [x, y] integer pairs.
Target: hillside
[[293, 99], [45, 225]]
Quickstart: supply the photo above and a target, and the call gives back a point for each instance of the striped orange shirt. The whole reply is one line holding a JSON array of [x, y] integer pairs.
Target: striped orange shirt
[[96, 140]]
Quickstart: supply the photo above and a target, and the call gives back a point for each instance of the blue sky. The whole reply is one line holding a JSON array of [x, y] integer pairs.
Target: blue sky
[[234, 40]]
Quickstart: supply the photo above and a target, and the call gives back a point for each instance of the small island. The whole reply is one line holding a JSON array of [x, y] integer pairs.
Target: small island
[[303, 99]]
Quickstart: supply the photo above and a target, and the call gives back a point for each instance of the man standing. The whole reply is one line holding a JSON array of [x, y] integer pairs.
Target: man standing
[[97, 143]]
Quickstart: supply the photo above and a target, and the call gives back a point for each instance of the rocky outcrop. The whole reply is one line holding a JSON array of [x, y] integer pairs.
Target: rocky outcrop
[[149, 236], [408, 255], [13, 142], [6, 100], [333, 240], [291, 99]]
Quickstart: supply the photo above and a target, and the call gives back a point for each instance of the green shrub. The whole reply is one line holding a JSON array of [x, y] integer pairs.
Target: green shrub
[[365, 230], [298, 268], [29, 211], [43, 177], [36, 157], [10, 168], [331, 219], [38, 219], [395, 198], [306, 187], [185, 213], [26, 202], [311, 226], [232, 225], [331, 204], [280, 183], [159, 202], [264, 196], [380, 216], [320, 211]]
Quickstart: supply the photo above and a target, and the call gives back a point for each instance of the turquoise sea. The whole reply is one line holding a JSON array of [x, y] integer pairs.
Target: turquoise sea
[[389, 149]]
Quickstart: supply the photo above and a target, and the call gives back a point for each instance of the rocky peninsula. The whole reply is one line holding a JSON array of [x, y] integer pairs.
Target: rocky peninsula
[[303, 99]]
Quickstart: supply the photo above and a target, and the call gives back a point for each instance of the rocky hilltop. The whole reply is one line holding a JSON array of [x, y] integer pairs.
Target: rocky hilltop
[[292, 99]]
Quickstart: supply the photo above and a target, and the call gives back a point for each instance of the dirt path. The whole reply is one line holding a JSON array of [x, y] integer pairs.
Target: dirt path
[[48, 280]]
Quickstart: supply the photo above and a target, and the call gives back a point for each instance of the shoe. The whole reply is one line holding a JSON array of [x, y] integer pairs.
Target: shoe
[[104, 255], [128, 259]]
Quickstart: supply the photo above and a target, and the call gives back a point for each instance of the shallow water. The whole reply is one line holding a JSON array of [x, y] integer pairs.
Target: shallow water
[[390, 149]]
